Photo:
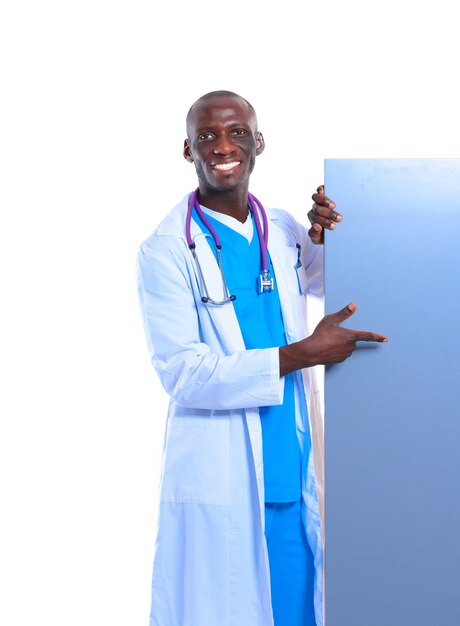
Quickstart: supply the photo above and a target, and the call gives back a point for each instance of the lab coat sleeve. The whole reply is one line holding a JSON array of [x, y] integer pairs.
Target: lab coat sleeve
[[191, 372]]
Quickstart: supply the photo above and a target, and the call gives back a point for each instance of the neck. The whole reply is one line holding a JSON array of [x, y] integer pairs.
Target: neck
[[233, 203]]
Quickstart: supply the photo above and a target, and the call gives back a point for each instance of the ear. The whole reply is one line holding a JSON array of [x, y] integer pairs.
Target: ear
[[187, 151], [260, 143]]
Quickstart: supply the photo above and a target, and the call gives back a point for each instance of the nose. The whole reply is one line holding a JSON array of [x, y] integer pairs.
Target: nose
[[224, 145]]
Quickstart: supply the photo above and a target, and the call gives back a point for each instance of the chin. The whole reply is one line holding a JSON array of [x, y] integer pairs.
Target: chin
[[222, 185]]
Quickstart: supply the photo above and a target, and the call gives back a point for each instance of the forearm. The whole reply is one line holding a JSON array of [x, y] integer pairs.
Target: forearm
[[296, 356]]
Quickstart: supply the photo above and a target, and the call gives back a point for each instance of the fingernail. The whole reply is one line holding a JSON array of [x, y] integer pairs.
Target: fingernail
[[332, 226], [338, 217]]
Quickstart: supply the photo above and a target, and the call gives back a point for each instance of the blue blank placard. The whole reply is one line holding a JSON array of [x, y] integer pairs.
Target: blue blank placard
[[392, 411]]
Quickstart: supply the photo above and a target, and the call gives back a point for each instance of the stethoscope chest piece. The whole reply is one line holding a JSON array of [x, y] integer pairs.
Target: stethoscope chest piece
[[266, 282]]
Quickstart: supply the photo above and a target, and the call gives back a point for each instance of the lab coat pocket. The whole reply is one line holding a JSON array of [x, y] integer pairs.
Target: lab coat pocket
[[196, 465], [298, 281]]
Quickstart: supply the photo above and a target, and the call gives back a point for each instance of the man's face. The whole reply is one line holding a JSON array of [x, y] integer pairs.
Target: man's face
[[223, 142]]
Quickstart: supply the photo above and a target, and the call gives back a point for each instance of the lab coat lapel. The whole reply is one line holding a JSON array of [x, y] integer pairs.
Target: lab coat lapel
[[226, 323], [224, 317], [283, 265]]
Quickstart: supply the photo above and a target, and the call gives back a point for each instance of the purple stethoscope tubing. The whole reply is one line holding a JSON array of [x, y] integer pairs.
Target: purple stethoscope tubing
[[266, 282], [253, 203], [263, 237]]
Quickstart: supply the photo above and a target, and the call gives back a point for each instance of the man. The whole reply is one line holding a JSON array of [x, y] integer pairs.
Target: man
[[239, 536]]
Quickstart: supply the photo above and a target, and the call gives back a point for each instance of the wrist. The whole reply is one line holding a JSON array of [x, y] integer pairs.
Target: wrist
[[296, 356]]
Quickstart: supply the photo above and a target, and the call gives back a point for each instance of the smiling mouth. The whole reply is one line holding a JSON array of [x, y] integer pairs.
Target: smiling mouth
[[226, 166]]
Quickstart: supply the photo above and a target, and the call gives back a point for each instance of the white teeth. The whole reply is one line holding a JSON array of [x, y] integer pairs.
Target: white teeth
[[226, 166]]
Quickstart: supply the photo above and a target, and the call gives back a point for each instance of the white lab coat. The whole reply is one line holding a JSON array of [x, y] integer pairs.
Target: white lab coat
[[211, 565]]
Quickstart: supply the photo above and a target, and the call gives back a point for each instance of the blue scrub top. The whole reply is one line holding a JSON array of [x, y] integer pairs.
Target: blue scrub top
[[261, 323]]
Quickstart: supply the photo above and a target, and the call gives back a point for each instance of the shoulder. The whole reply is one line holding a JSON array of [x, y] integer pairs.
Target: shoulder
[[168, 238], [172, 225]]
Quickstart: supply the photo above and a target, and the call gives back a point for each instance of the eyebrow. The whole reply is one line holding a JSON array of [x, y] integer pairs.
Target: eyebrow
[[238, 124]]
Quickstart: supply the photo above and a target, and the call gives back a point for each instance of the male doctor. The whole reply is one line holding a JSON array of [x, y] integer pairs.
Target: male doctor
[[239, 538]]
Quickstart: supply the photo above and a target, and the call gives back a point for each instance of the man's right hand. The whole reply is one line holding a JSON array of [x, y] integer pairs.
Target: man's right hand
[[329, 343]]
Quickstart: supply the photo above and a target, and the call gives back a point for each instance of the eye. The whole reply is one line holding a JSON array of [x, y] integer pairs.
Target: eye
[[206, 136], [240, 132]]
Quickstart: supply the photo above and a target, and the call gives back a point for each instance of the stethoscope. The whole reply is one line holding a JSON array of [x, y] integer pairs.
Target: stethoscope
[[266, 282]]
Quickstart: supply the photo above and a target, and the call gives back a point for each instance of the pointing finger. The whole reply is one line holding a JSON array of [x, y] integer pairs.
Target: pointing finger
[[366, 335]]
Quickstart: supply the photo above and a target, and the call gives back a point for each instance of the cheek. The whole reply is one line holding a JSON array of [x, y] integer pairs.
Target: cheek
[[201, 155], [252, 160]]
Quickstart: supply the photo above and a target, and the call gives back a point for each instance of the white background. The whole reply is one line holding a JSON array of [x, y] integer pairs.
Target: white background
[[94, 96]]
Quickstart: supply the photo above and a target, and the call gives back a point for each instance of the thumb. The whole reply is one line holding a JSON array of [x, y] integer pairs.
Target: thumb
[[316, 233], [342, 315]]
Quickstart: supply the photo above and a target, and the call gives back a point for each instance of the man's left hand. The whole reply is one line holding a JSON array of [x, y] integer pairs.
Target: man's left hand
[[322, 215]]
